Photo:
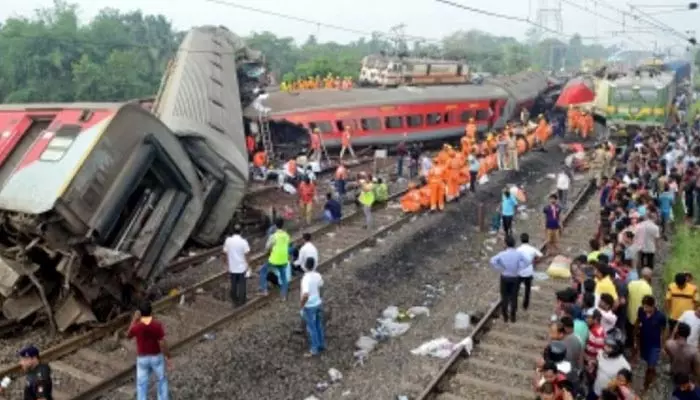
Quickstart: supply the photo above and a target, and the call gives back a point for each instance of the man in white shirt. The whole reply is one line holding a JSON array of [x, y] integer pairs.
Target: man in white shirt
[[563, 183], [236, 251], [306, 251], [692, 319], [311, 309], [532, 254]]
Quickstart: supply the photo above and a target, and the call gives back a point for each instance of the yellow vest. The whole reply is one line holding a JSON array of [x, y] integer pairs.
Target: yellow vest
[[279, 254], [367, 198]]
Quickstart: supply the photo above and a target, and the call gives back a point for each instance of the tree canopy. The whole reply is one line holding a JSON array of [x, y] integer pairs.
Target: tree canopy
[[52, 57]]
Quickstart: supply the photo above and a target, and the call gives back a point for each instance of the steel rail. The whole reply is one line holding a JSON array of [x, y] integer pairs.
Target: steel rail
[[120, 322], [480, 328], [239, 313]]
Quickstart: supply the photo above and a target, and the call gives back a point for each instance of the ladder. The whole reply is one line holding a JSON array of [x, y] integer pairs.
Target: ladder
[[265, 134]]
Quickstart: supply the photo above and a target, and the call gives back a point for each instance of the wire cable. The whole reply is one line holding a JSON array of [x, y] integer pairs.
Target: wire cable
[[601, 16], [313, 22]]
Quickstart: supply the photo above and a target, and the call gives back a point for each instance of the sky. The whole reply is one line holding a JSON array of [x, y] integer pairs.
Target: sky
[[422, 18]]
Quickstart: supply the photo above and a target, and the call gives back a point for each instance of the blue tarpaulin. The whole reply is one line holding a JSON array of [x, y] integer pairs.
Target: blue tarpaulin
[[680, 67]]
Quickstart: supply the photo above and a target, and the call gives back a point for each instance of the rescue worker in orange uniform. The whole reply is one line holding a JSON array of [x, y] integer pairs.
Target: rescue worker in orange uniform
[[250, 146], [346, 143], [437, 187], [411, 201], [543, 130], [315, 144], [572, 119], [444, 155], [465, 144], [453, 176], [425, 196], [471, 129], [586, 124]]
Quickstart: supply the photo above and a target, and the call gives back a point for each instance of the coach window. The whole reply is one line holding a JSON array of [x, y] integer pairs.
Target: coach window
[[323, 126], [482, 115], [393, 122], [342, 124], [59, 143], [466, 116], [371, 124], [414, 121], [433, 118]]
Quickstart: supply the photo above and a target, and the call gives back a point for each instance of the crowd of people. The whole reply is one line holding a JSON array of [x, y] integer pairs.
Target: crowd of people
[[612, 320], [316, 82]]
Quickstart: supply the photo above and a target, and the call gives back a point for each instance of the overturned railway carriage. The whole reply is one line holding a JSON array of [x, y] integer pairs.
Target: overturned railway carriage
[[201, 102], [93, 200], [385, 116], [96, 199]]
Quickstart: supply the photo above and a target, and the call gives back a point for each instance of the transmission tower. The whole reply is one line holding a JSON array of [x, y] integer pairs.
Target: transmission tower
[[397, 38], [549, 24]]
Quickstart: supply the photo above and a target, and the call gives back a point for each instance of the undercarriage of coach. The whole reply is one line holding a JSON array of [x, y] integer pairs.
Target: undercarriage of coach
[[49, 274]]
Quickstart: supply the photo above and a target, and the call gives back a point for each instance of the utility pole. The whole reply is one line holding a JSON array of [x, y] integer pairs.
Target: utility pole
[[550, 25], [397, 35]]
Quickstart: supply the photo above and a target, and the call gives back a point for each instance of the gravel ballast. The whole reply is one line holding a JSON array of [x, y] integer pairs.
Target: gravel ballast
[[261, 357]]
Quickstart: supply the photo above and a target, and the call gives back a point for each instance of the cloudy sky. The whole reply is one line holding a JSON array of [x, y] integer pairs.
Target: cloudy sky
[[424, 18]]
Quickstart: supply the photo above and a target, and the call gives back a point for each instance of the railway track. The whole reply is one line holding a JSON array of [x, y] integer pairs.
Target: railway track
[[101, 361], [501, 364], [93, 363]]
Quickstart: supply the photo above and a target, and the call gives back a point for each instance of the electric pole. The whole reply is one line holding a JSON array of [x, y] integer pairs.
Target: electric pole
[[550, 26]]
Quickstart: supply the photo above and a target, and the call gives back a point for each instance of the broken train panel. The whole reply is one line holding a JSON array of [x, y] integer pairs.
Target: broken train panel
[[89, 215], [200, 100]]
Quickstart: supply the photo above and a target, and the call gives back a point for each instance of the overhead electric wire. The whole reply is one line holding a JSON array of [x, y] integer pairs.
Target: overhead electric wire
[[313, 22], [649, 21], [601, 16]]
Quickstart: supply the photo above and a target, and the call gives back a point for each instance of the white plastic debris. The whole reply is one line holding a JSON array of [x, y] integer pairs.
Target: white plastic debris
[[540, 276], [461, 321], [551, 176], [440, 348], [335, 375], [418, 310], [389, 328], [391, 312], [346, 393], [311, 398], [289, 188], [468, 344], [365, 343]]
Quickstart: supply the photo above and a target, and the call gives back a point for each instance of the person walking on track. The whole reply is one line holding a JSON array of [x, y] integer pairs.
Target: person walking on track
[[508, 207], [236, 251], [510, 263], [346, 143], [532, 254]]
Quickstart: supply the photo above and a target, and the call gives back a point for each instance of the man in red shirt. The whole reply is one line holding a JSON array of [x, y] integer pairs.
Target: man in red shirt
[[152, 355]]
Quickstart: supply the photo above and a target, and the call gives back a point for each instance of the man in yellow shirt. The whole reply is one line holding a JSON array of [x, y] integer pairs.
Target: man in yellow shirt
[[604, 283], [636, 290], [681, 296]]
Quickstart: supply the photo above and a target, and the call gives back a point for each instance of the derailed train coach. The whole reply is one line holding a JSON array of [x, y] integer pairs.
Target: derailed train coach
[[97, 199]]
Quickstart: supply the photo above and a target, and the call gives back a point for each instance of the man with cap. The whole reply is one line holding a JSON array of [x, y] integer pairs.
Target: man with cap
[[38, 374]]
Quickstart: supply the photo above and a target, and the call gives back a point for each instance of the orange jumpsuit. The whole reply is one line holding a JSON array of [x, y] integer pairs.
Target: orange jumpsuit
[[260, 159], [586, 125], [437, 187], [461, 161], [465, 144], [425, 196], [453, 177], [542, 130], [470, 130], [411, 201], [572, 117]]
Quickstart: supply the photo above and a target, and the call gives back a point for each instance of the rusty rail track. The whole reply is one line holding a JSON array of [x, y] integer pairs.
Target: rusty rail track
[[465, 373], [62, 357]]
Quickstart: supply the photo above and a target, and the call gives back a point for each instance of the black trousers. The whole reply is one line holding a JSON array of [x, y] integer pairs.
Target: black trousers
[[473, 176], [238, 289], [509, 297], [528, 286], [646, 260], [508, 224]]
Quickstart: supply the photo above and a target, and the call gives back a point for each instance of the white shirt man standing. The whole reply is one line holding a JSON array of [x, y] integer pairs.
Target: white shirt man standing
[[311, 307], [306, 251], [531, 254], [236, 250], [563, 184]]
